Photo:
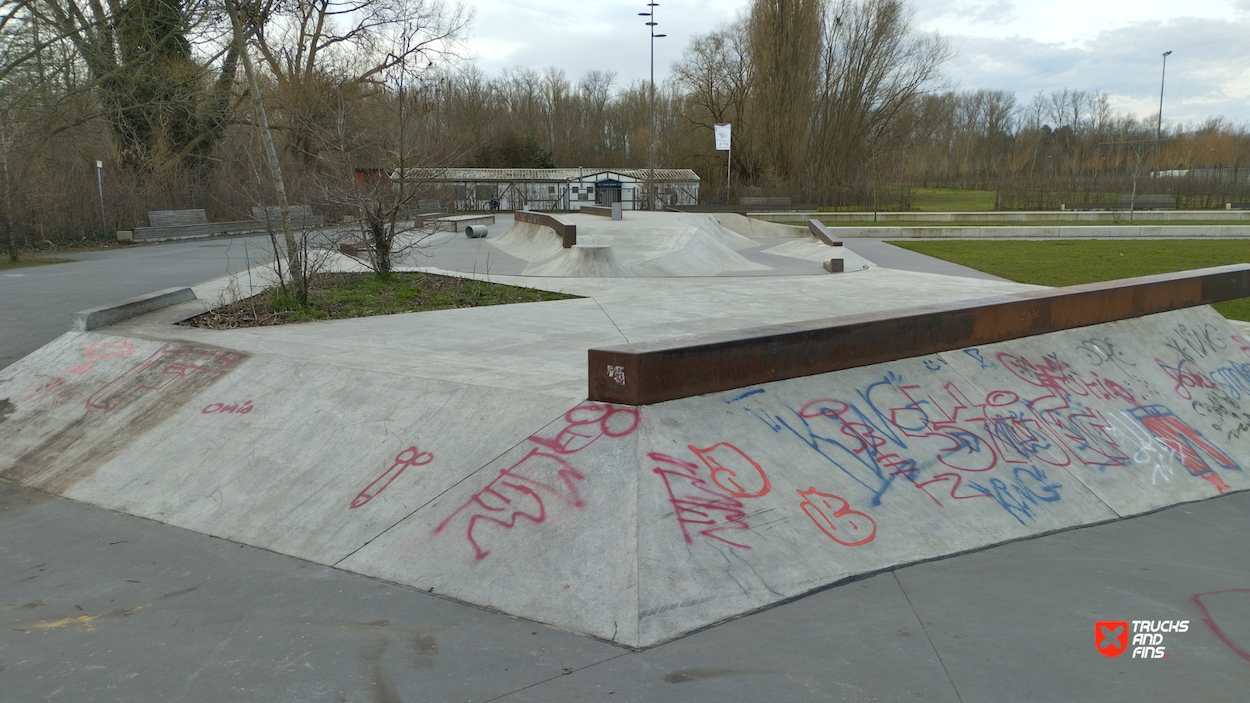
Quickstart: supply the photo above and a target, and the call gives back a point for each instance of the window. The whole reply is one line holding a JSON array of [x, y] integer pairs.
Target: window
[[551, 190]]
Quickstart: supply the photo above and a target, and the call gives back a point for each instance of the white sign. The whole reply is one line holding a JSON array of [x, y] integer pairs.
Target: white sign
[[99, 164], [722, 137]]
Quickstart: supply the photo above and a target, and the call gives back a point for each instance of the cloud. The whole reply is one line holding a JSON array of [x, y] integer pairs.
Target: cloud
[[1208, 73], [988, 12]]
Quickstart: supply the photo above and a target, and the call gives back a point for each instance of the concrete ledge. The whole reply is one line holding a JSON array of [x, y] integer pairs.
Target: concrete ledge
[[599, 210], [567, 230], [822, 233], [111, 314], [641, 374]]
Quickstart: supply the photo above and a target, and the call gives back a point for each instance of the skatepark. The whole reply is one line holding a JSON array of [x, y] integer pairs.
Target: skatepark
[[487, 457]]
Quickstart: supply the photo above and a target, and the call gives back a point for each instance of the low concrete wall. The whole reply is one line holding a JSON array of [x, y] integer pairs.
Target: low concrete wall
[[156, 234], [457, 223], [567, 230], [647, 373], [800, 217], [599, 210], [111, 314]]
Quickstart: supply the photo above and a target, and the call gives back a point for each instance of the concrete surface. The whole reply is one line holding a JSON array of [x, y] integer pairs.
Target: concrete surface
[[141, 427], [103, 607]]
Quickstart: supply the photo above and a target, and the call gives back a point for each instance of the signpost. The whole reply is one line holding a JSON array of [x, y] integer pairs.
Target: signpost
[[723, 144], [99, 179]]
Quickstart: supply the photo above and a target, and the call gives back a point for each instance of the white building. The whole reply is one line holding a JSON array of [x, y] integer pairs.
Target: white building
[[462, 189]]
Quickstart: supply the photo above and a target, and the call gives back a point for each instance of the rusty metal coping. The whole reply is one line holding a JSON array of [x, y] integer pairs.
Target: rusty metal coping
[[567, 230], [653, 372]]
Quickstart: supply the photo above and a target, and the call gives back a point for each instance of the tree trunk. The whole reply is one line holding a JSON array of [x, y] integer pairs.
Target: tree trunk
[[294, 265], [8, 189]]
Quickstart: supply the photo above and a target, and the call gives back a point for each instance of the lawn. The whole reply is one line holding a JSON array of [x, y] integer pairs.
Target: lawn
[[24, 261], [1069, 262], [951, 200], [1034, 223], [336, 296]]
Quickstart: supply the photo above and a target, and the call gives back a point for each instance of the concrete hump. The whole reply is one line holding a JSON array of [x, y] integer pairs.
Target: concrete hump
[[582, 260], [640, 524]]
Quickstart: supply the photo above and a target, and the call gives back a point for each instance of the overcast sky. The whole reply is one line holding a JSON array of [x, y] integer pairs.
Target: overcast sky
[[1020, 46]]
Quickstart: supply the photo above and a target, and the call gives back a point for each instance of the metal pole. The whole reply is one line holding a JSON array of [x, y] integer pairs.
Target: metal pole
[[651, 24], [99, 179], [1159, 126]]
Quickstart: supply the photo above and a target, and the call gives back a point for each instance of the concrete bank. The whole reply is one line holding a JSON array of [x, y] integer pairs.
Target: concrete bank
[[636, 525]]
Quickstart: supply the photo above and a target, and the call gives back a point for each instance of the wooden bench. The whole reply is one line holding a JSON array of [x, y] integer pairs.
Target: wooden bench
[[181, 224], [301, 216]]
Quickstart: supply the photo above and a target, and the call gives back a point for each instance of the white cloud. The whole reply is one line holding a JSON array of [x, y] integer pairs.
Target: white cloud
[[1208, 73], [1018, 46]]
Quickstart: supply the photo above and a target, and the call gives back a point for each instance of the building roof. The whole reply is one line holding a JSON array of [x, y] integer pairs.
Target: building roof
[[562, 175]]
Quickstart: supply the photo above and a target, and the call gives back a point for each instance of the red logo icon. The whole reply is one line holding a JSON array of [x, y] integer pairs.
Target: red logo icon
[[1111, 637]]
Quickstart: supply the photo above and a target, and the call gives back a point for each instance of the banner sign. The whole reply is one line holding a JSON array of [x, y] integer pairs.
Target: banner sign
[[722, 137]]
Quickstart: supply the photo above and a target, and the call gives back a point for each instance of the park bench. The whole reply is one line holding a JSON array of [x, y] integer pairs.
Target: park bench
[[302, 216], [179, 224]]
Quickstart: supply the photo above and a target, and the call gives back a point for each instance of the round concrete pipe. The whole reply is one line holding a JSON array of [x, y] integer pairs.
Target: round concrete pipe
[[475, 231]]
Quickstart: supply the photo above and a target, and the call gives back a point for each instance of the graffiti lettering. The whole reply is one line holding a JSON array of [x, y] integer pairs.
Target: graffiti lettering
[[835, 518], [731, 455], [697, 505], [518, 491], [215, 408], [1186, 443], [1025, 499], [54, 387], [160, 370]]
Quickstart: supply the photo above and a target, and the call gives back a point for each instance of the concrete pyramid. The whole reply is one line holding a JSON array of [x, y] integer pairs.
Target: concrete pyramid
[[638, 525]]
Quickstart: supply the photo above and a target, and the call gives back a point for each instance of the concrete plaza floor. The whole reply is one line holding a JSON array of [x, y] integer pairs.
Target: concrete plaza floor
[[104, 606]]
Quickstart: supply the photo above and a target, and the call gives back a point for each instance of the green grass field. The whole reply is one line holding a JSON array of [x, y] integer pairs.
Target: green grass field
[[1057, 223], [951, 200], [1067, 263]]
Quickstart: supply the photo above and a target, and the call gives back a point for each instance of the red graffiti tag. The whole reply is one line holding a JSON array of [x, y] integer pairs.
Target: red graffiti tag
[[406, 459], [1186, 443], [160, 370], [233, 408], [1215, 628], [697, 505], [94, 354], [835, 518], [518, 491], [1185, 379], [733, 456]]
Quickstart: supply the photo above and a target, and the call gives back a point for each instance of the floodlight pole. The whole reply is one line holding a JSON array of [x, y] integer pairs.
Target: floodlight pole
[[1159, 125], [651, 24]]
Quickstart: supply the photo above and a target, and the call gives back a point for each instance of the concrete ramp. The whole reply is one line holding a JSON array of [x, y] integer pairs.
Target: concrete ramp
[[638, 524], [757, 229]]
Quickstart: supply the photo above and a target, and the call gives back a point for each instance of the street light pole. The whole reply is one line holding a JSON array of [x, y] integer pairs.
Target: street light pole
[[1159, 125], [651, 24]]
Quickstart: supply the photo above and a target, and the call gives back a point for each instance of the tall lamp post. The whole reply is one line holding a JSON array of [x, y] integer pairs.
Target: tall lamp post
[[651, 24], [1159, 126]]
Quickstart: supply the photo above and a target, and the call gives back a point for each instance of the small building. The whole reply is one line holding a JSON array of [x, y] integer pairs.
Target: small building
[[463, 189]]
